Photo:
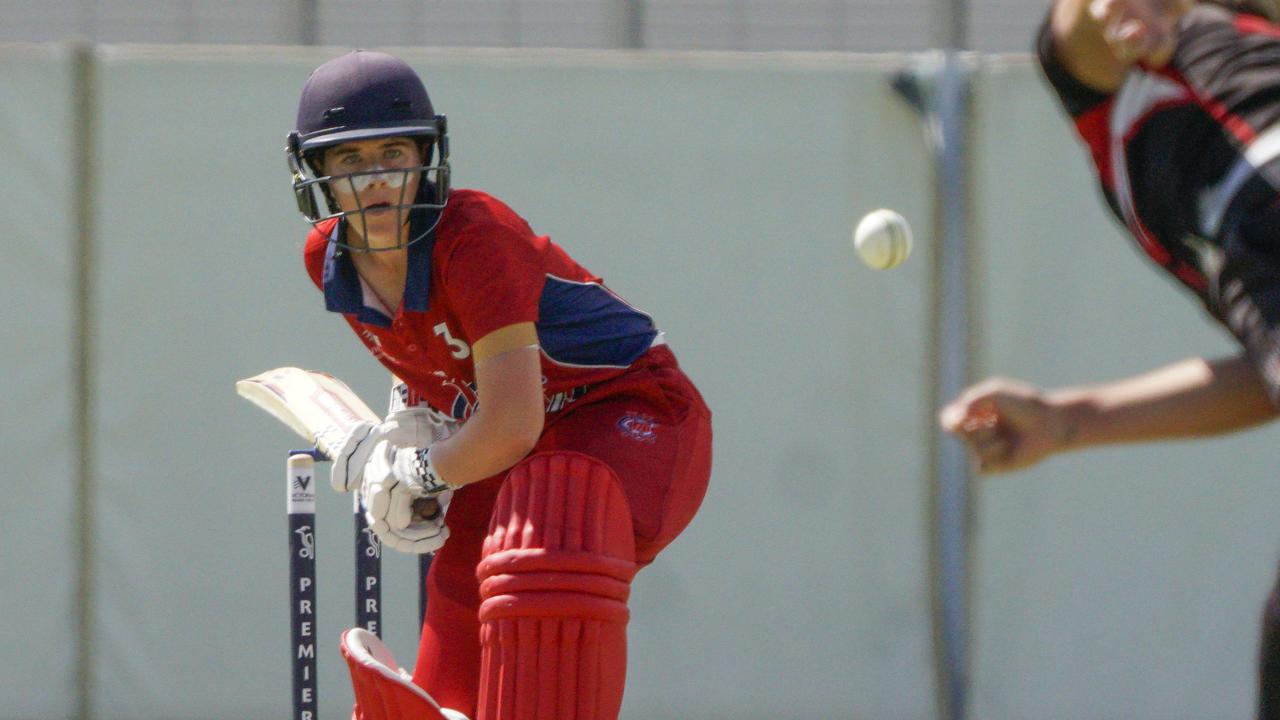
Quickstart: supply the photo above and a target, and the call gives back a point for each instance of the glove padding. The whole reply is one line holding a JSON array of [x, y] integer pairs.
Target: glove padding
[[347, 464], [389, 492], [420, 537], [411, 427]]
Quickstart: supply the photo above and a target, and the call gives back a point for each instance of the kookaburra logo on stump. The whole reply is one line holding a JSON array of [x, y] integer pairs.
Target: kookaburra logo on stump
[[373, 546], [308, 550]]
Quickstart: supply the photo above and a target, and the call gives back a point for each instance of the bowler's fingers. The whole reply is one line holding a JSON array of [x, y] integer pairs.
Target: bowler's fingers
[[989, 441], [974, 418], [973, 408], [993, 453]]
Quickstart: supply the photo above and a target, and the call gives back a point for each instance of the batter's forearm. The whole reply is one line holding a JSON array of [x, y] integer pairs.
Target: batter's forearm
[[479, 450], [506, 425], [1188, 399]]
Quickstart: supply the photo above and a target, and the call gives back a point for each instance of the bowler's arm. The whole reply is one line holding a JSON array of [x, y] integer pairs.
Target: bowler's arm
[[1188, 399], [1010, 425]]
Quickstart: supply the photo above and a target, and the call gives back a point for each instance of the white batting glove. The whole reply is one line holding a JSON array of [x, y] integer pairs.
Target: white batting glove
[[389, 502], [411, 427], [397, 474], [400, 470], [347, 464], [419, 538], [430, 420]]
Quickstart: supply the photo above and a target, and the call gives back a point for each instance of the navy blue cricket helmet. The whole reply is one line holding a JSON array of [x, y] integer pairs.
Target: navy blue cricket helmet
[[363, 96]]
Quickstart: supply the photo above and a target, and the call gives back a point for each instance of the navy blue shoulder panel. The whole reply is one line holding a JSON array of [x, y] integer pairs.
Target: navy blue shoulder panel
[[584, 324]]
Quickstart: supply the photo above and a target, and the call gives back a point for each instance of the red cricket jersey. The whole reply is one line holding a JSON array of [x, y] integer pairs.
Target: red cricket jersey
[[480, 270]]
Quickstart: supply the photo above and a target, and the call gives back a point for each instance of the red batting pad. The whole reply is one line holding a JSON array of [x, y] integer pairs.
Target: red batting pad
[[554, 580], [382, 692]]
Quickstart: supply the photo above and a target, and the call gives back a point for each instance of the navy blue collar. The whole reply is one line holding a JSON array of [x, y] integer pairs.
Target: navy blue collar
[[344, 294]]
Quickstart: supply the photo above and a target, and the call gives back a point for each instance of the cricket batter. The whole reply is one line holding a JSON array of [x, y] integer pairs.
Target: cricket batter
[[574, 450], [1178, 103]]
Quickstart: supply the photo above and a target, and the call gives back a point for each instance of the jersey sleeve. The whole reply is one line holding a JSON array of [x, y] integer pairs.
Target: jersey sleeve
[[313, 251], [1246, 299], [493, 277], [1074, 96]]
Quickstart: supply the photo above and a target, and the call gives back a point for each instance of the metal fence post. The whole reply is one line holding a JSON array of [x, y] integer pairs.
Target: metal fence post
[[939, 90], [83, 173]]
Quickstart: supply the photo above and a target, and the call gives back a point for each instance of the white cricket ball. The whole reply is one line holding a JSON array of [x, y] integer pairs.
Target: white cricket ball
[[882, 239]]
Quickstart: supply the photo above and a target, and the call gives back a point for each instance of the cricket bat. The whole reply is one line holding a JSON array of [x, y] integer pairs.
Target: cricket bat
[[320, 408], [317, 406]]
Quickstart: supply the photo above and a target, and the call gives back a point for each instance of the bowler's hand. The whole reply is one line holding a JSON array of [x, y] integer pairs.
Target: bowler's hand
[[1007, 424], [1140, 30]]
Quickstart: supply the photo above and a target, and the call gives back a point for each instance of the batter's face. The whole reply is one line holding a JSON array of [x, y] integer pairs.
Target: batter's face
[[371, 185]]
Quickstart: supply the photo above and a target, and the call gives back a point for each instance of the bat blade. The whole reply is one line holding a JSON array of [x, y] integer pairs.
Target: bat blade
[[311, 403]]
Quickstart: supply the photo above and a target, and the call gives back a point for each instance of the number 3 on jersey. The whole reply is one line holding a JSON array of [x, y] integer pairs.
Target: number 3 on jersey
[[458, 348]]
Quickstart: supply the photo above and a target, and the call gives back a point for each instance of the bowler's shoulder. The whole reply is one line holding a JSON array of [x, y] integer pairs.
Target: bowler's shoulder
[[1208, 27]]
